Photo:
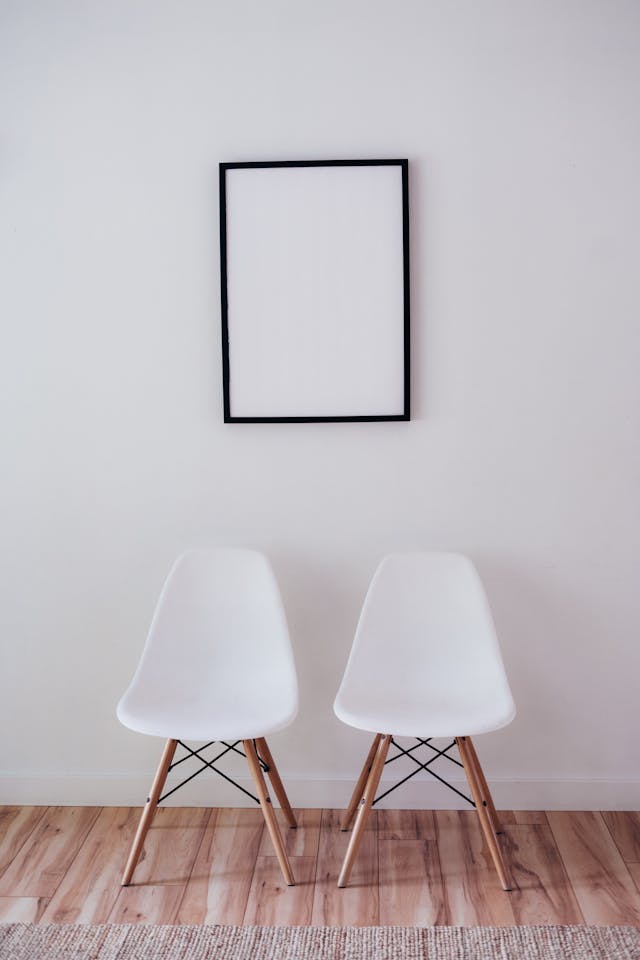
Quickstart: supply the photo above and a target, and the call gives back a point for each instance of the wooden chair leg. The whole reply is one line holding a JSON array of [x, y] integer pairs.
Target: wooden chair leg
[[365, 806], [356, 797], [276, 782], [484, 787], [268, 811], [149, 810], [483, 814]]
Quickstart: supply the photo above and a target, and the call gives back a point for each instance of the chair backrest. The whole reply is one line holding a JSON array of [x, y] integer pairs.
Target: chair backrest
[[219, 622], [426, 634]]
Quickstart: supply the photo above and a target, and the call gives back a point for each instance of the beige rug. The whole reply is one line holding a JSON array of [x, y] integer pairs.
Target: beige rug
[[23, 941]]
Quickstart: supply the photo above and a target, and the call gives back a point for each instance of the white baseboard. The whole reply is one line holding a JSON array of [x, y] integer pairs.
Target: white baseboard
[[211, 791]]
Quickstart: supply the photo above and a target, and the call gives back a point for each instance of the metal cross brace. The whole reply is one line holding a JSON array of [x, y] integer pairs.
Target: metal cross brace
[[209, 764], [424, 766]]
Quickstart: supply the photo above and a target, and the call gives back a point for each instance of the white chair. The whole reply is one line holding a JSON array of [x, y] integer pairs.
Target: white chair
[[217, 667], [425, 663]]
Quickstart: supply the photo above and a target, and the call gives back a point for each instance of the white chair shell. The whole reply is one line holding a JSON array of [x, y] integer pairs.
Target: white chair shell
[[218, 663], [425, 657]]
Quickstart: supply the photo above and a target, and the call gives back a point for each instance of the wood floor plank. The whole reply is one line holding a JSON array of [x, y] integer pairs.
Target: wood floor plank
[[45, 857], [507, 816], [16, 826], [354, 905], [522, 817], [301, 842], [147, 903], [472, 891], [91, 885], [171, 845], [543, 893], [634, 870], [21, 909], [272, 903], [405, 825], [218, 888], [410, 887], [601, 882], [624, 826]]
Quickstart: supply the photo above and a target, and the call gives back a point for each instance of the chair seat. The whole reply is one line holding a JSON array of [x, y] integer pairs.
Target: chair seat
[[231, 716], [430, 716]]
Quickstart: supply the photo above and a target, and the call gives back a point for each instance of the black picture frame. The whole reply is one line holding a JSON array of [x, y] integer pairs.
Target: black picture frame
[[227, 319]]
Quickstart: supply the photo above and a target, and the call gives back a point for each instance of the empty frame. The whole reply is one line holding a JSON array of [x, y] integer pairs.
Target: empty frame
[[315, 290]]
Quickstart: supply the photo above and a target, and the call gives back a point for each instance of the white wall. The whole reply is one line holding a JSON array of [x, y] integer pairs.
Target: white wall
[[522, 127]]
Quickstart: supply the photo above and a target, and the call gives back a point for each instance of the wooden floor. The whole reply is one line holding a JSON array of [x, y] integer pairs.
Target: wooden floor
[[63, 864]]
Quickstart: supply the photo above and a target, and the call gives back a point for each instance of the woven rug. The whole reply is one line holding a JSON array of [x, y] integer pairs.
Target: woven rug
[[23, 941]]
